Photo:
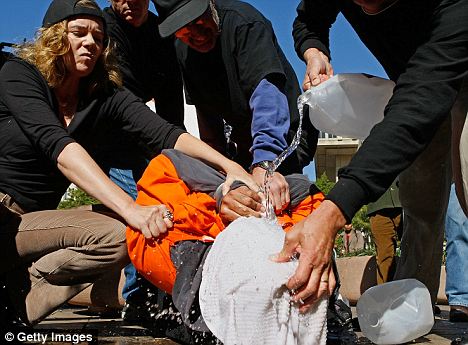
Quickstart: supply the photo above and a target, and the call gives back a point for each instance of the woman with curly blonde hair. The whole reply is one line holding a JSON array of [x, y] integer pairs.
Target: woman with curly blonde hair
[[58, 98], [47, 52]]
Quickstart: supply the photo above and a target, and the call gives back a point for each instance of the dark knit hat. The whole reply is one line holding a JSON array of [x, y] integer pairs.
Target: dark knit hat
[[175, 14], [62, 9]]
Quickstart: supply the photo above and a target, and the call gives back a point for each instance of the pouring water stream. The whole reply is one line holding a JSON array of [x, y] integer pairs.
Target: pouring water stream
[[272, 166]]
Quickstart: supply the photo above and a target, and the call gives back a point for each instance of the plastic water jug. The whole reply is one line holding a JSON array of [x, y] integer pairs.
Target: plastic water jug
[[395, 312], [348, 104]]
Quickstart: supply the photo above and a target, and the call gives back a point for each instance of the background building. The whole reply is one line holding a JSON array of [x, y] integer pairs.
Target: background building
[[333, 152]]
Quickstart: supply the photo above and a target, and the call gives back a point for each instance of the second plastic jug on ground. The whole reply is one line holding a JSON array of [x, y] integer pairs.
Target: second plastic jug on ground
[[395, 312]]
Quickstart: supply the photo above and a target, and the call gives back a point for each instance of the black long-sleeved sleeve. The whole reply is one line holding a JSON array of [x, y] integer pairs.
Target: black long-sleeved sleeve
[[311, 28], [26, 95], [422, 100], [32, 135], [149, 130], [427, 57]]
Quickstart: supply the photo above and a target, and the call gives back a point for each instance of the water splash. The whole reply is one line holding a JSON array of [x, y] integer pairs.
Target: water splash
[[272, 166]]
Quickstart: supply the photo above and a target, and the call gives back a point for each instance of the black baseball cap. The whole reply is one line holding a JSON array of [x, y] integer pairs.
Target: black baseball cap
[[62, 9], [175, 14]]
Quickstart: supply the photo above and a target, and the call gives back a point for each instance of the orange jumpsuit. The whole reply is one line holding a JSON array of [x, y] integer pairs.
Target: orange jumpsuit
[[195, 218]]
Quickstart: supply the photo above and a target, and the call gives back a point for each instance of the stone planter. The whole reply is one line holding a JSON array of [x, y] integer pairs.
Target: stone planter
[[357, 274]]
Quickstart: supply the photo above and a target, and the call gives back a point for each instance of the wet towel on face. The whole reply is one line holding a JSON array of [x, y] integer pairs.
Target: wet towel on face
[[243, 297]]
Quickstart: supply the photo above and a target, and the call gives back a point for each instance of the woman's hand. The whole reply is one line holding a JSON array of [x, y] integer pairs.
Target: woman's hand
[[234, 172], [152, 221], [75, 163]]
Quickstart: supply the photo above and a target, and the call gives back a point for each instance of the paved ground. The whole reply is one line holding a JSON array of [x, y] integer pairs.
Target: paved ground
[[112, 331]]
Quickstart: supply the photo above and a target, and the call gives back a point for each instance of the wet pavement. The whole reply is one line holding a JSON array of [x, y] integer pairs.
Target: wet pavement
[[112, 330]]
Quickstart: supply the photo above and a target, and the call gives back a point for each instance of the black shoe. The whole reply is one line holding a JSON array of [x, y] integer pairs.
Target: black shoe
[[459, 341], [458, 313], [436, 310], [339, 324], [9, 320]]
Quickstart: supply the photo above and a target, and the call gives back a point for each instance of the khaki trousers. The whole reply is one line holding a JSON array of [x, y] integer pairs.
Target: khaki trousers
[[385, 226], [48, 257], [424, 194]]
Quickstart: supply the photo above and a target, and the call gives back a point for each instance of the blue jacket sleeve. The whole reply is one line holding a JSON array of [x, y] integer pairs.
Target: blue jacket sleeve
[[270, 121]]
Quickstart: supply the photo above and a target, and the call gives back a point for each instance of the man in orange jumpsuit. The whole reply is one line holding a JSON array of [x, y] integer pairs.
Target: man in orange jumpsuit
[[192, 191]]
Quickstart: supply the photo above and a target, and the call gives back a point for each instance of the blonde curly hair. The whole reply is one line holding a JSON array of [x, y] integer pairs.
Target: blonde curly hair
[[47, 52]]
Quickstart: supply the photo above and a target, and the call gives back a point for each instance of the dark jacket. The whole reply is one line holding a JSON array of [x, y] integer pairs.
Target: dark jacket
[[32, 136], [148, 64], [220, 83], [149, 69], [423, 47]]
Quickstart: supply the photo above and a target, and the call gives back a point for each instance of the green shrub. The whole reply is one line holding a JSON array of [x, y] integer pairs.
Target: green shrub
[[324, 184], [76, 197]]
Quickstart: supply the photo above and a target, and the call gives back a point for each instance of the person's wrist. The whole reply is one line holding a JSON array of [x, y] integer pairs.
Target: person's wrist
[[309, 53], [120, 202], [261, 165], [329, 211], [231, 167]]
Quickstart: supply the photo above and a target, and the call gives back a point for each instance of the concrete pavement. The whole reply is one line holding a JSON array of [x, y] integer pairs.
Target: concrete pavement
[[112, 331]]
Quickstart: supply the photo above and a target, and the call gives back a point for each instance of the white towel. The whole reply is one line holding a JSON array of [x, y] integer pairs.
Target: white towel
[[243, 297]]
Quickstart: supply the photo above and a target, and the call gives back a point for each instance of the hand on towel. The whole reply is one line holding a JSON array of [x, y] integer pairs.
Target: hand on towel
[[313, 238], [239, 202]]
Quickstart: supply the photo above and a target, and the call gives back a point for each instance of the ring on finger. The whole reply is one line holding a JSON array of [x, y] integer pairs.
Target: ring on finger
[[168, 215]]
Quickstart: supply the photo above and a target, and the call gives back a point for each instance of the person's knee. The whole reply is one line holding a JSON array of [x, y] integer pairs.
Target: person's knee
[[105, 229], [117, 231], [109, 240], [121, 255], [116, 239]]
